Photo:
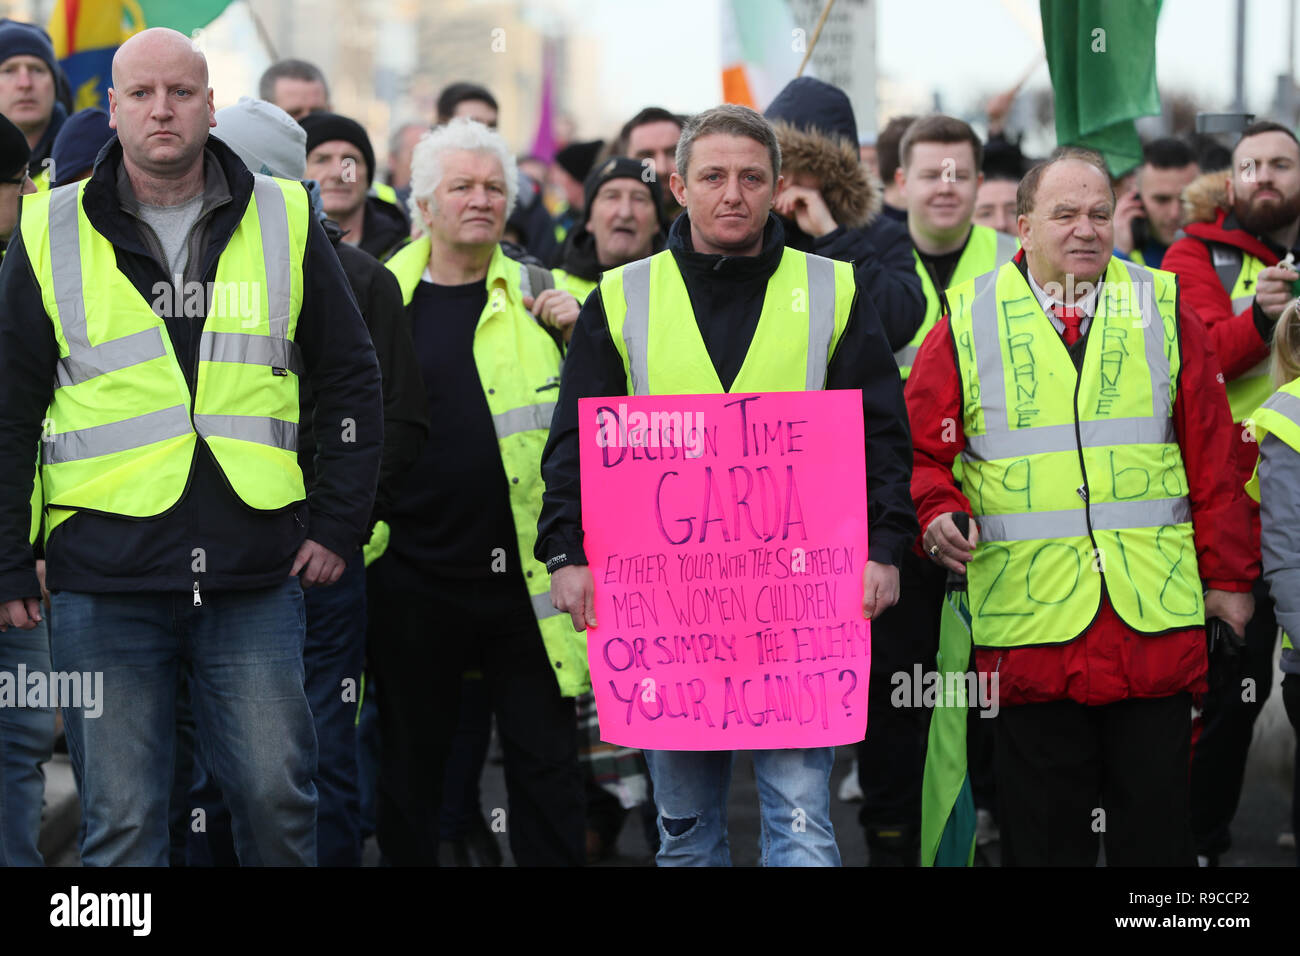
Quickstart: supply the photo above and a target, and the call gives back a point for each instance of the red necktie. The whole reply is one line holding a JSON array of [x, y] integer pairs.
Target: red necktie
[[1071, 317]]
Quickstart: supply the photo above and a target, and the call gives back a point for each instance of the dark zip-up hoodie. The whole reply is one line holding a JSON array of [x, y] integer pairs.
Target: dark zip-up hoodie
[[209, 538]]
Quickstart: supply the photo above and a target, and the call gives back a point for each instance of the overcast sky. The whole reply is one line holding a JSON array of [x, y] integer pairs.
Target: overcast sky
[[667, 51]]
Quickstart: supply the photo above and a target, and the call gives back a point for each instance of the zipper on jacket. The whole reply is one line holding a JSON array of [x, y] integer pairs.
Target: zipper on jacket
[[198, 601]]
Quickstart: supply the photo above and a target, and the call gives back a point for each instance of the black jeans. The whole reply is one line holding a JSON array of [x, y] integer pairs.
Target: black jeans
[[1067, 775], [891, 759], [420, 641], [1227, 723]]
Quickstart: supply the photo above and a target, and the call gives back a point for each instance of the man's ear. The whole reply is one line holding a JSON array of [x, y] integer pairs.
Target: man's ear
[[212, 110], [678, 187], [1024, 231], [112, 108], [900, 180], [1232, 195]]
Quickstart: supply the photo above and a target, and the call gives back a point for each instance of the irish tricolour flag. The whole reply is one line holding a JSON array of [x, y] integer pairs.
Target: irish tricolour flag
[[761, 50]]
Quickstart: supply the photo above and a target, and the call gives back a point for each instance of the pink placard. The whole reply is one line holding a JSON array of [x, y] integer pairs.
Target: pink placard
[[727, 536]]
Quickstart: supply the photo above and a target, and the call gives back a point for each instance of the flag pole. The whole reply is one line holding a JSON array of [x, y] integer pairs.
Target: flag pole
[[817, 32], [262, 34]]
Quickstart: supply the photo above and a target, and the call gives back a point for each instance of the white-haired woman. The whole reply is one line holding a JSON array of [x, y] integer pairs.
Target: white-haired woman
[[452, 592]]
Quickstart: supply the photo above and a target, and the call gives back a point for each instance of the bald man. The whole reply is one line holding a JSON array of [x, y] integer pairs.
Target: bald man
[[155, 321]]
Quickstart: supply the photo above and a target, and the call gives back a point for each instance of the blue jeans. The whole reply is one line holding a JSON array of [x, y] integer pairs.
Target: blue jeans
[[691, 787], [244, 651], [334, 652], [26, 742]]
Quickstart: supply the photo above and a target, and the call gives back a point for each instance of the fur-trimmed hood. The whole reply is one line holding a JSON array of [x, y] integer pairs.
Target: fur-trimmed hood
[[851, 194], [1205, 196], [818, 135]]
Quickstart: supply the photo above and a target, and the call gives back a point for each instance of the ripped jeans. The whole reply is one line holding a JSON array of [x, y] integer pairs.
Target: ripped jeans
[[691, 788]]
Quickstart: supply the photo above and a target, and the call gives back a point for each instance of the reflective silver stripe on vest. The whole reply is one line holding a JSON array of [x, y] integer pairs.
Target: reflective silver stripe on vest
[[524, 419], [1108, 516], [275, 432], [1241, 302], [1153, 327], [245, 349], [906, 356], [273, 221], [525, 281], [83, 364], [83, 361], [113, 437], [636, 323], [1006, 249], [1045, 439], [821, 319], [988, 352], [1285, 404], [542, 606]]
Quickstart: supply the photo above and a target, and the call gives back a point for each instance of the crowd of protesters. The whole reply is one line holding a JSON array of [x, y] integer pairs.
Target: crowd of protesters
[[313, 590]]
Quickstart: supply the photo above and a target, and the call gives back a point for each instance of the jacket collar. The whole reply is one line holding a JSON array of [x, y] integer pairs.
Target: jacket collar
[[111, 204], [739, 267], [411, 263], [579, 255], [1226, 230]]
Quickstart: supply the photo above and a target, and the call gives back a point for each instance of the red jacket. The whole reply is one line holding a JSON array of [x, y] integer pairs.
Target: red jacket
[[1236, 339], [1109, 661]]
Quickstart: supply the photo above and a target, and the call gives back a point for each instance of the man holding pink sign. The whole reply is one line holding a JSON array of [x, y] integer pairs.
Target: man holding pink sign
[[729, 522]]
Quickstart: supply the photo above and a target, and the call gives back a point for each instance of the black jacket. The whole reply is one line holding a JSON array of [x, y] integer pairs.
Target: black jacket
[[578, 255], [881, 254], [384, 229], [406, 414], [240, 548], [726, 295]]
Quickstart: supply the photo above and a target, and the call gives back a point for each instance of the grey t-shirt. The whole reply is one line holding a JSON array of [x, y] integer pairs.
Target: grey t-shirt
[[172, 224]]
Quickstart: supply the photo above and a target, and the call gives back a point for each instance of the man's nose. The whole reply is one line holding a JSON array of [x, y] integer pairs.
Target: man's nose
[[732, 193], [1085, 228]]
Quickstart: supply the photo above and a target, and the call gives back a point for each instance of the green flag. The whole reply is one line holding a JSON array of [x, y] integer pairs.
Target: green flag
[[183, 15], [1102, 57], [947, 804]]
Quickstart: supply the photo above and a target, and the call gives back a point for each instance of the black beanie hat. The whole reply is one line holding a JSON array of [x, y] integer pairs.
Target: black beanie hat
[[576, 159], [13, 150], [324, 127], [622, 167]]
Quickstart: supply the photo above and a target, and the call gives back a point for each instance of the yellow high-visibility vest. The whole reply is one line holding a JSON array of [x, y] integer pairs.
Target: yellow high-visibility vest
[[121, 431], [805, 310], [1238, 272], [1075, 477], [986, 249]]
